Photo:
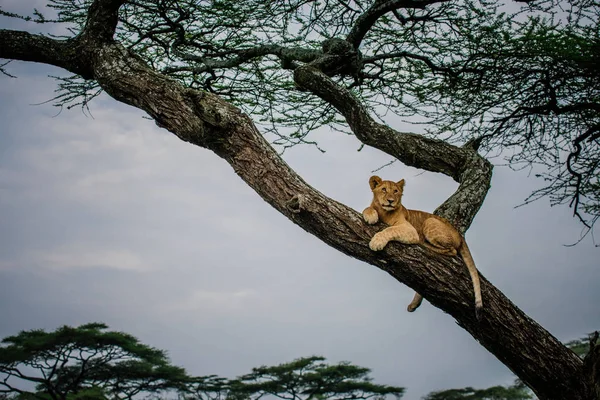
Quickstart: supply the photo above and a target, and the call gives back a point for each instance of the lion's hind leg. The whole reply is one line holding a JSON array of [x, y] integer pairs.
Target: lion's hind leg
[[440, 237], [440, 250]]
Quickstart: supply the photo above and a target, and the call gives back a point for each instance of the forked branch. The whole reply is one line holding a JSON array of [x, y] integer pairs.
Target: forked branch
[[463, 164]]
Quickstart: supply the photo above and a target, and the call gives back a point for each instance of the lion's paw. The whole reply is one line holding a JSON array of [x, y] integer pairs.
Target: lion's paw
[[378, 242], [371, 219], [370, 216]]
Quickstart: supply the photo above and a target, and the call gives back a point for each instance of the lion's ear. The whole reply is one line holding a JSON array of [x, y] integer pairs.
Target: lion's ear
[[401, 183], [374, 181]]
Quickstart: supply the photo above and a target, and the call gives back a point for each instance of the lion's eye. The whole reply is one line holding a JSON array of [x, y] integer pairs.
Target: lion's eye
[[395, 190], [383, 190]]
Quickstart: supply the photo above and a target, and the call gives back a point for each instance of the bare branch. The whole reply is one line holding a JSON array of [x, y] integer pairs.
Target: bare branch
[[380, 7], [24, 46]]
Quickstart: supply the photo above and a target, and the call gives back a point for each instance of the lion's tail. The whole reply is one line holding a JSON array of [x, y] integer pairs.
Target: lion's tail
[[468, 259]]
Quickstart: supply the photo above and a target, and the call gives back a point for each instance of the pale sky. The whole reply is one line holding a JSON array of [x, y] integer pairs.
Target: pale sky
[[112, 219]]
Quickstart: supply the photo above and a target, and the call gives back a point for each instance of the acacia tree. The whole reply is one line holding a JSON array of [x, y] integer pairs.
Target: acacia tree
[[89, 362], [84, 362], [204, 70], [307, 378], [515, 392]]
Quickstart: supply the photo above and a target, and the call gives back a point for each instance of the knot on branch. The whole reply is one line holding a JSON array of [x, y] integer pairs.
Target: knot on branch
[[214, 118], [295, 204], [339, 58], [338, 47], [211, 109]]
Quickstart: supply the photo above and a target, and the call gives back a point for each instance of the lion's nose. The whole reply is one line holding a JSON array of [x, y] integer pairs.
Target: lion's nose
[[390, 201]]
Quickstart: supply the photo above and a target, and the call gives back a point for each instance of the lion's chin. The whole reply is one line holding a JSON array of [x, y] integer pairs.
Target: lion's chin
[[388, 208]]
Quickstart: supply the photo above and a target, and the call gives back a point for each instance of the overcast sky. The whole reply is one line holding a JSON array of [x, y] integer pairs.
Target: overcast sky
[[112, 219]]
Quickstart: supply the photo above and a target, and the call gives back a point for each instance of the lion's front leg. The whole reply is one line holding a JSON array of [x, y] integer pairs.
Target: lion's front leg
[[370, 215], [403, 233]]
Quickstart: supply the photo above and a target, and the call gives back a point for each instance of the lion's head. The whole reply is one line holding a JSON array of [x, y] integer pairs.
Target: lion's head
[[387, 194]]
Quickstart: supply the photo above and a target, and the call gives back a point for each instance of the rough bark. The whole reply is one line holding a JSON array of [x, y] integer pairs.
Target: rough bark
[[205, 120]]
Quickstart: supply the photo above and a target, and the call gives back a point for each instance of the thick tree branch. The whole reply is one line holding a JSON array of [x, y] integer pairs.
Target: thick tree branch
[[102, 20], [286, 54], [69, 54], [463, 164], [24, 46]]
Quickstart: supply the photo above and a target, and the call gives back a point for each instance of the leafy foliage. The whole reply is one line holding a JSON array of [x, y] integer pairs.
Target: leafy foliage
[[301, 379], [309, 378], [84, 362], [582, 346], [493, 393], [91, 363], [88, 362]]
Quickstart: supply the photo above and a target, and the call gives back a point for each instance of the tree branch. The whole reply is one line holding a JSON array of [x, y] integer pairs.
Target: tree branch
[[102, 20], [380, 7], [432, 66], [67, 54], [463, 164], [210, 63], [24, 46]]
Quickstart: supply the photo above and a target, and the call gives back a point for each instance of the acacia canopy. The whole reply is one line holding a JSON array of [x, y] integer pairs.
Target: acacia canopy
[[497, 80], [89, 362], [85, 361]]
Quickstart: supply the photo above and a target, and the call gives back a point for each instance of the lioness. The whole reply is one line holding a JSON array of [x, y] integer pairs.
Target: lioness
[[415, 227]]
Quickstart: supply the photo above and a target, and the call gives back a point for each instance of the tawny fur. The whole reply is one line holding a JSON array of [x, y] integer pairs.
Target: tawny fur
[[415, 227]]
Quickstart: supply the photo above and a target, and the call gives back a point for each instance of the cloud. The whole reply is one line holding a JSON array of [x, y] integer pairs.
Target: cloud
[[82, 256], [216, 301], [6, 265], [78, 256]]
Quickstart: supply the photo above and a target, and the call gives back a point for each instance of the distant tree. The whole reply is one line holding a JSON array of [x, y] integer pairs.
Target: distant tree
[[90, 363], [211, 387], [588, 348], [86, 362], [308, 378], [584, 345], [311, 378], [516, 392]]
